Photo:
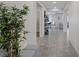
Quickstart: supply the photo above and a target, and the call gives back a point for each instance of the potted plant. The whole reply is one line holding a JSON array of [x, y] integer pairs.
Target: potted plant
[[11, 28]]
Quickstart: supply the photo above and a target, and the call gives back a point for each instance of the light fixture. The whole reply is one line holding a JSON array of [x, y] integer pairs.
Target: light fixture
[[55, 9], [54, 2]]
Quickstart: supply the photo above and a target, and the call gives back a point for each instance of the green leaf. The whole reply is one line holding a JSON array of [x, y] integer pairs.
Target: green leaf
[[11, 24]]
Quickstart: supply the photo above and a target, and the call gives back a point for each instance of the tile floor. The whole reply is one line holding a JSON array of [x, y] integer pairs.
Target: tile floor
[[55, 45]]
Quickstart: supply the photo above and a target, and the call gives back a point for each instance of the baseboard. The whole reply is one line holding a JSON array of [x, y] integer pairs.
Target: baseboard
[[74, 47]]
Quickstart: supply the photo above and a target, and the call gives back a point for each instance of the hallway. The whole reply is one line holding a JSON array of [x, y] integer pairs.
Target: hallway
[[52, 26], [58, 43], [55, 45]]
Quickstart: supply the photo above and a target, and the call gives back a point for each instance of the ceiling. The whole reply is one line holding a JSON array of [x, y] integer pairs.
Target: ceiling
[[54, 4]]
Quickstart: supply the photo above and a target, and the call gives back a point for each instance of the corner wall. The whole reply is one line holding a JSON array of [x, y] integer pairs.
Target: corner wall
[[74, 25], [41, 9]]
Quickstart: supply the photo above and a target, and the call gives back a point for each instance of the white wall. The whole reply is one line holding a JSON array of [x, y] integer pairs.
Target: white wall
[[74, 25], [40, 20], [30, 24], [32, 18], [41, 9], [64, 20]]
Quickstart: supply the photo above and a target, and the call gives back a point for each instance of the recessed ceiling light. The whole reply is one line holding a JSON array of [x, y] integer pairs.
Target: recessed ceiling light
[[55, 9], [54, 2]]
